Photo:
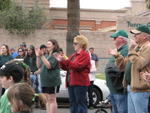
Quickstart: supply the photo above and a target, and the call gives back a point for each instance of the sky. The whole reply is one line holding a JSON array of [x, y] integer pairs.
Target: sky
[[94, 4]]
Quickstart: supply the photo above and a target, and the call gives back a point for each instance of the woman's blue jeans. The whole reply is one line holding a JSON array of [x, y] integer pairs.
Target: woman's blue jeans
[[78, 100]]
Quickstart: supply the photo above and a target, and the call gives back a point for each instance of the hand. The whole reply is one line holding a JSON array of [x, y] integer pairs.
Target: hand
[[37, 72], [39, 52], [113, 52], [145, 76], [132, 44]]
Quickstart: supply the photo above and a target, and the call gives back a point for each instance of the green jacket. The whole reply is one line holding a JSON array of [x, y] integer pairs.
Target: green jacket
[[31, 62], [124, 52], [4, 59]]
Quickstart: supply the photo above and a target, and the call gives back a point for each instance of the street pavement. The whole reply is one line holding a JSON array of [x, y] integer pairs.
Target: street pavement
[[60, 110], [65, 110]]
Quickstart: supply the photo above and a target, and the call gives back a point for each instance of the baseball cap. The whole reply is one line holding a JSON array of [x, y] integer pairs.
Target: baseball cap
[[142, 28], [42, 46], [119, 33], [12, 69]]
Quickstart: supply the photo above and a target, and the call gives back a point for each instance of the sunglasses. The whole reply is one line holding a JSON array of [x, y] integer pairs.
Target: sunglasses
[[75, 43]]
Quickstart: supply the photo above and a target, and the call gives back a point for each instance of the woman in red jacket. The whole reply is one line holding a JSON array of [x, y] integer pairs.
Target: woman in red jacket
[[78, 68]]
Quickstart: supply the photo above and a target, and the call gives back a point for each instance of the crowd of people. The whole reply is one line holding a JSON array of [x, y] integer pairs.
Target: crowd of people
[[31, 74], [37, 71], [127, 72]]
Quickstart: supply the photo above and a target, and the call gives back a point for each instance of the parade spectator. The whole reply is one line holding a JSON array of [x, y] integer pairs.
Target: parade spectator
[[22, 97], [30, 60], [61, 52], [10, 74], [77, 79], [23, 45], [21, 53], [94, 56], [92, 75], [4, 57], [50, 74], [13, 53], [114, 76], [138, 61], [43, 48], [26, 69]]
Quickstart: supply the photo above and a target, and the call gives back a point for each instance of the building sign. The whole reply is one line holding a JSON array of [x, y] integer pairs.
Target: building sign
[[133, 24], [129, 22]]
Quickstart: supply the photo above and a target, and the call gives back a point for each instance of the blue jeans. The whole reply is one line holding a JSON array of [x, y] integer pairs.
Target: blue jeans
[[78, 100], [35, 83], [119, 103], [39, 83], [137, 101]]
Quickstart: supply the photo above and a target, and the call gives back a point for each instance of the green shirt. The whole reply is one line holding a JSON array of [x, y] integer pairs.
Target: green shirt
[[4, 104], [50, 77], [128, 69], [128, 72]]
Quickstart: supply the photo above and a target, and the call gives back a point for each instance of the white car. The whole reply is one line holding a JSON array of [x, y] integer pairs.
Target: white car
[[100, 90]]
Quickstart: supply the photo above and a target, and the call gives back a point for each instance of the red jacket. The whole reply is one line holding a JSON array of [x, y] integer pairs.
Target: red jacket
[[78, 67]]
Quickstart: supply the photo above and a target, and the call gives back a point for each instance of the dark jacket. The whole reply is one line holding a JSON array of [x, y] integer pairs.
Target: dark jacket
[[30, 60], [114, 76], [4, 59]]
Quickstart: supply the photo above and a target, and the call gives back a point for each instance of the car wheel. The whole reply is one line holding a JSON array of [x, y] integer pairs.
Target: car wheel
[[97, 96]]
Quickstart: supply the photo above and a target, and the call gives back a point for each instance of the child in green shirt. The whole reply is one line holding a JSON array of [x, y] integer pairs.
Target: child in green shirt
[[10, 74]]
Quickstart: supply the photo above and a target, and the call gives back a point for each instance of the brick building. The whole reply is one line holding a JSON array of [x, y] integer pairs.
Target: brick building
[[90, 19]]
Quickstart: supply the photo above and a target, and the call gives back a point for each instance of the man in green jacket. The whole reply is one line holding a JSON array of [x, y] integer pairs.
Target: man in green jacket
[[114, 76]]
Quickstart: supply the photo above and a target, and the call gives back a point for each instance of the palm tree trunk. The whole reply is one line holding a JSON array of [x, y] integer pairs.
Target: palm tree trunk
[[73, 15], [147, 3]]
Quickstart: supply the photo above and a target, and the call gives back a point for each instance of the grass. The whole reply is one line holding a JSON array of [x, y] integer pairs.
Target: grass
[[100, 76]]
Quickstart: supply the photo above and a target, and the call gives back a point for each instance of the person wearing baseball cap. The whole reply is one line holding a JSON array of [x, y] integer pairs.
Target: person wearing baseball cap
[[140, 29], [10, 74], [137, 62], [139, 56], [114, 76]]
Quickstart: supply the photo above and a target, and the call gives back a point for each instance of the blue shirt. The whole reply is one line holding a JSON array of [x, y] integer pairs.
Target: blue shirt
[[94, 57]]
